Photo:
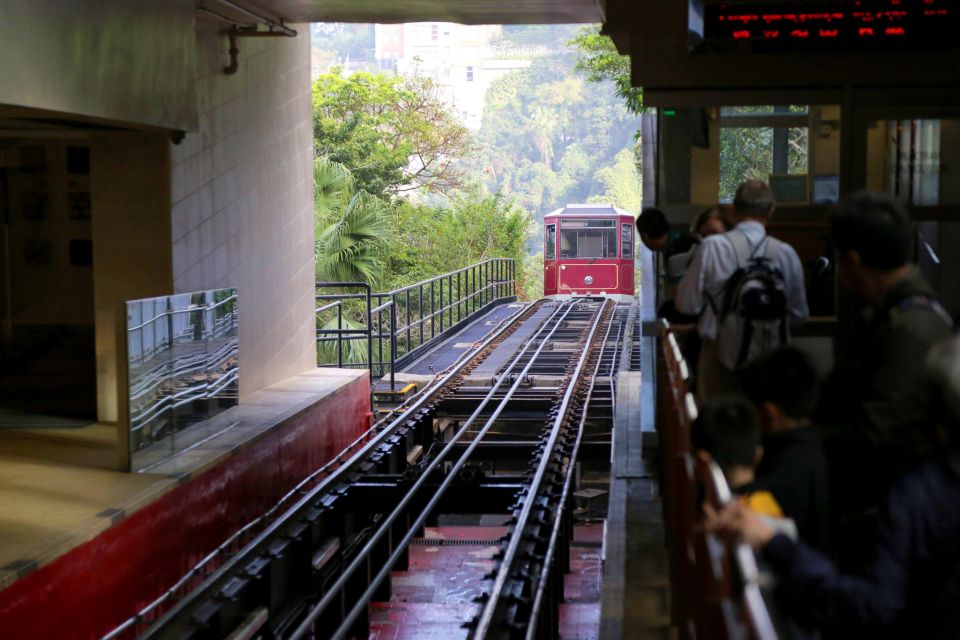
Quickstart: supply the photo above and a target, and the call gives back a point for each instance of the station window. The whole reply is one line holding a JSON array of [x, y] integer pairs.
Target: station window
[[758, 142], [469, 74], [588, 239], [550, 242]]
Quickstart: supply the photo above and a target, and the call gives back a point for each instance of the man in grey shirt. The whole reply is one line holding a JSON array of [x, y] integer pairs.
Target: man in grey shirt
[[701, 290]]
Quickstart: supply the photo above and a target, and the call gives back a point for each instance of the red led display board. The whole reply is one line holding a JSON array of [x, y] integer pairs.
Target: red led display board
[[831, 25]]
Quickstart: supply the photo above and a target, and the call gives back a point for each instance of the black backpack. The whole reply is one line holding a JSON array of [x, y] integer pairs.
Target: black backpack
[[752, 318]]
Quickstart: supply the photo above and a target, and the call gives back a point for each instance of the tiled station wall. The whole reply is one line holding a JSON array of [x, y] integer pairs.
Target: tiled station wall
[[243, 198]]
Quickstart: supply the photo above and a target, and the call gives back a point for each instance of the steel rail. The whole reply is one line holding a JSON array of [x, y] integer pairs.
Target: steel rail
[[490, 608], [300, 487], [469, 354], [306, 625], [565, 495], [357, 458]]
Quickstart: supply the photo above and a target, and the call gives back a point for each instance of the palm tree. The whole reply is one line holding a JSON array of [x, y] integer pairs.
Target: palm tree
[[332, 185], [351, 227], [352, 351]]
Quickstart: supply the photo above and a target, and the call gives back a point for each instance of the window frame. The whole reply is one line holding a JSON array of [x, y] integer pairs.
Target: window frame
[[779, 122], [612, 244]]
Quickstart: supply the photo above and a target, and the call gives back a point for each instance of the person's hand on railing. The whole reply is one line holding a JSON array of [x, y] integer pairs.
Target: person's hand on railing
[[736, 522], [680, 328]]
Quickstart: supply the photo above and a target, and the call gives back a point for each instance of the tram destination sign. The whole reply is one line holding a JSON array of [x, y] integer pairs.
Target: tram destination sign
[[823, 25]]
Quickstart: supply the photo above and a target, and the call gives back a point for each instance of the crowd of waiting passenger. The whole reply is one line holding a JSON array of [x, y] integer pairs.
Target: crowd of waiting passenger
[[849, 487]]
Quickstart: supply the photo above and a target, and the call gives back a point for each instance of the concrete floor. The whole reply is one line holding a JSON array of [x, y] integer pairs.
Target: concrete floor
[[59, 487], [48, 508]]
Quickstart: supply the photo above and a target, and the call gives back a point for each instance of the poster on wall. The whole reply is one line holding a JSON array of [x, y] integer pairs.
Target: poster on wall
[[826, 189]]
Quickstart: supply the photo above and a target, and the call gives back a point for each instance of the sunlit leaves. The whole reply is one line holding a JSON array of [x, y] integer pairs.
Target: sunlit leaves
[[351, 227], [546, 134], [394, 133], [599, 59]]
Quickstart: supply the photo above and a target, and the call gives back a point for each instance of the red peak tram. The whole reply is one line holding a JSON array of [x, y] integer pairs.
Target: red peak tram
[[588, 251]]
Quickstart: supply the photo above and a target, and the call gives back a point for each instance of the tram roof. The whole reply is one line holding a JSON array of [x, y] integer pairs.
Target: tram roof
[[589, 211]]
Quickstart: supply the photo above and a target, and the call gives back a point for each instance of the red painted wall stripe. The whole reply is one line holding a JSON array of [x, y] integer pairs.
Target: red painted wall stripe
[[93, 588]]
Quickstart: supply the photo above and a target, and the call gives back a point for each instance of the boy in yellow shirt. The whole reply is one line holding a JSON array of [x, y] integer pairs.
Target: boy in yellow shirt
[[726, 430]]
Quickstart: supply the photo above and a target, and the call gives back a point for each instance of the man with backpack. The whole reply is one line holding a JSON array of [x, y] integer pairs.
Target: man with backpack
[[746, 287]]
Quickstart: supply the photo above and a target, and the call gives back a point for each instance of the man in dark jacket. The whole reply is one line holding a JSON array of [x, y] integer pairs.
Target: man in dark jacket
[[783, 385], [910, 585], [872, 406]]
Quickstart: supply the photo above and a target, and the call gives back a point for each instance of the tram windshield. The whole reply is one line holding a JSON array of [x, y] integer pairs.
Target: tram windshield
[[588, 239]]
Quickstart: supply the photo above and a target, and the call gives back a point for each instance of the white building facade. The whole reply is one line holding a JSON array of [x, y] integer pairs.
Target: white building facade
[[464, 60]]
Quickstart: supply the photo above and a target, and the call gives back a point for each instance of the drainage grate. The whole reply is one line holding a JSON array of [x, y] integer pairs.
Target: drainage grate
[[455, 542], [586, 544]]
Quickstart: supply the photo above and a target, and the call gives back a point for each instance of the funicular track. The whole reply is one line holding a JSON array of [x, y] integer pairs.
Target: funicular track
[[314, 571]]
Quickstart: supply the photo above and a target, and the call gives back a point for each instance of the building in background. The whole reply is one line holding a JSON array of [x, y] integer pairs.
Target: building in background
[[464, 60]]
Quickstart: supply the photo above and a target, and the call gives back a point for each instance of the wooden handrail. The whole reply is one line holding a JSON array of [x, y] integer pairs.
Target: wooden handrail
[[715, 582]]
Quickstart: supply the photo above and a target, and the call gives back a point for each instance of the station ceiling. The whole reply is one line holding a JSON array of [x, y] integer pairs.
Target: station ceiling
[[462, 11]]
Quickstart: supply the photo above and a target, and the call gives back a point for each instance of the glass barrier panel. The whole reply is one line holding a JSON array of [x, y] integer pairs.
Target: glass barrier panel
[[183, 370]]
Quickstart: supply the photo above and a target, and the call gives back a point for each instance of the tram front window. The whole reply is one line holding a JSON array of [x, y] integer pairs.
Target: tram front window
[[588, 239]]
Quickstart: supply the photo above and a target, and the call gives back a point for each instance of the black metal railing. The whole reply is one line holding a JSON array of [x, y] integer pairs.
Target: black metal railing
[[398, 325]]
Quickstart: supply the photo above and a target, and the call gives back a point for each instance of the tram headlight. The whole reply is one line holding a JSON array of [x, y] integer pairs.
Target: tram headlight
[[588, 280]]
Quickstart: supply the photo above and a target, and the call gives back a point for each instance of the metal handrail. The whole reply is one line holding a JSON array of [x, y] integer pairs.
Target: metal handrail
[[678, 410], [191, 309], [341, 331], [416, 313]]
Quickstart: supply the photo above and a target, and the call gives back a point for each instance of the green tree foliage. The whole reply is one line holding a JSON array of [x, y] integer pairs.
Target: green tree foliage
[[394, 133], [546, 132], [532, 276], [351, 227], [548, 137], [430, 240], [747, 153], [351, 351], [599, 59], [354, 125], [621, 182]]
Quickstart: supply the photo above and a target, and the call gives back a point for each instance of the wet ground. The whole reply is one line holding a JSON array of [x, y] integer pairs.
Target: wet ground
[[436, 596]]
